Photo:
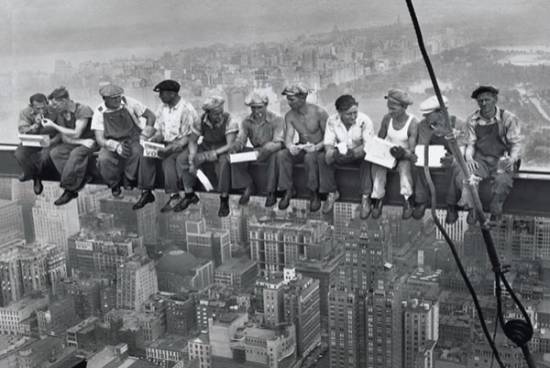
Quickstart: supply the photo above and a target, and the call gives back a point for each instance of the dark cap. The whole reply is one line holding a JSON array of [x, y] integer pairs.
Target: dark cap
[[167, 85], [58, 93], [482, 89]]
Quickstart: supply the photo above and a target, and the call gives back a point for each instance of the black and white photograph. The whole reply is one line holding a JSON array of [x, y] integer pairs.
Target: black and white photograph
[[275, 184]]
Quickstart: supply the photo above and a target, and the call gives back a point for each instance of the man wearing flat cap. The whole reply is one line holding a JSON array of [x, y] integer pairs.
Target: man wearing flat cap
[[308, 121], [175, 118], [117, 126], [432, 131], [400, 129], [265, 130], [218, 131], [71, 157], [35, 160], [493, 151], [345, 142]]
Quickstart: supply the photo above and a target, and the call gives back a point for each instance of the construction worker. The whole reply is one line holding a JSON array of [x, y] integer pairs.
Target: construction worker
[[175, 118], [117, 130], [265, 130], [345, 140], [309, 121], [34, 160], [431, 131], [218, 131], [493, 151], [71, 157], [401, 129]]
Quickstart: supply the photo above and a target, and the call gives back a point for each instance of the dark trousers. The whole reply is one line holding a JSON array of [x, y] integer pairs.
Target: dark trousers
[[327, 173], [116, 170], [170, 169], [241, 177], [221, 169], [71, 161], [421, 189], [311, 166], [501, 183], [32, 160]]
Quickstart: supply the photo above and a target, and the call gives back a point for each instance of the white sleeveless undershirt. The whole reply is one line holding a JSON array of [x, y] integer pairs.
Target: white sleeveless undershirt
[[399, 137]]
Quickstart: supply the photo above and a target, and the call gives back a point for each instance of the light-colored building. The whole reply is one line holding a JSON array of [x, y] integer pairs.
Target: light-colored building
[[207, 243], [167, 350], [14, 319], [239, 273], [136, 282], [420, 325], [11, 222]]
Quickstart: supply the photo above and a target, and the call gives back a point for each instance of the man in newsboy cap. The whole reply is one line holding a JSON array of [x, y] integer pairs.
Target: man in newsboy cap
[[493, 151], [399, 128], [175, 118], [117, 130], [265, 130], [218, 131]]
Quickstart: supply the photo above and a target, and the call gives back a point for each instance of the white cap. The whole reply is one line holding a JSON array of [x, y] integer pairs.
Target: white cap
[[431, 104]]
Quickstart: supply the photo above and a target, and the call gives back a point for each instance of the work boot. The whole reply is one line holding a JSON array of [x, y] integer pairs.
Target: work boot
[[223, 211], [116, 191], [314, 202], [285, 201], [146, 197], [329, 202], [366, 207], [471, 219], [171, 203], [37, 186], [65, 198], [189, 199], [377, 206], [452, 214], [271, 199], [419, 211], [408, 207], [245, 197]]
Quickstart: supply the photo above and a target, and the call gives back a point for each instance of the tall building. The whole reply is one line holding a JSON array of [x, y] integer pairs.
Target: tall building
[[344, 212], [97, 253], [24, 195], [180, 271], [456, 231], [276, 244], [346, 328], [143, 222], [200, 351], [211, 244], [89, 197], [367, 255], [384, 326], [420, 325], [57, 317], [136, 282], [209, 204], [11, 221], [239, 273], [54, 224], [302, 308], [180, 313], [10, 273]]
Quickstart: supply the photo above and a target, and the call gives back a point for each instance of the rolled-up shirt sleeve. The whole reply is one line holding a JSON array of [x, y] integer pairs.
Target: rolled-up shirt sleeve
[[330, 134], [242, 136], [97, 120], [25, 122], [232, 126], [189, 120], [278, 130], [514, 136], [470, 132]]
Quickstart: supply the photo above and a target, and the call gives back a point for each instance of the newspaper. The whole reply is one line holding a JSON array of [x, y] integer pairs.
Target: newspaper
[[243, 157], [151, 149], [436, 153], [378, 152]]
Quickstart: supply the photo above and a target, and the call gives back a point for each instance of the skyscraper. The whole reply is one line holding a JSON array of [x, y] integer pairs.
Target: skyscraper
[[11, 221], [24, 195], [211, 244], [54, 224], [136, 282], [420, 324]]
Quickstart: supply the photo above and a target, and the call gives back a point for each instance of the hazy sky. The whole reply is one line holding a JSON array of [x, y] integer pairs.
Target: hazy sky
[[31, 27]]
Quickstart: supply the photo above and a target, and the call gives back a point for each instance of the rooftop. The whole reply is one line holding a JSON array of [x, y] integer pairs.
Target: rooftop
[[236, 265], [170, 342]]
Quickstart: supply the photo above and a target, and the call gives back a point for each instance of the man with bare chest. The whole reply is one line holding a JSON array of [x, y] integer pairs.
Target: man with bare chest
[[308, 121]]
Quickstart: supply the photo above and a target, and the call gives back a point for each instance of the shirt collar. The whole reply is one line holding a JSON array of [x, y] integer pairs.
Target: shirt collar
[[477, 116], [176, 106], [358, 121]]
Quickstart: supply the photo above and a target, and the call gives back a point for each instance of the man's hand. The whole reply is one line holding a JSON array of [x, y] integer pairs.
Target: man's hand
[[471, 163], [294, 149], [47, 123], [123, 150], [505, 164], [398, 152], [330, 156], [263, 153], [412, 157], [148, 132], [447, 160], [89, 143], [310, 147], [156, 139], [211, 156]]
